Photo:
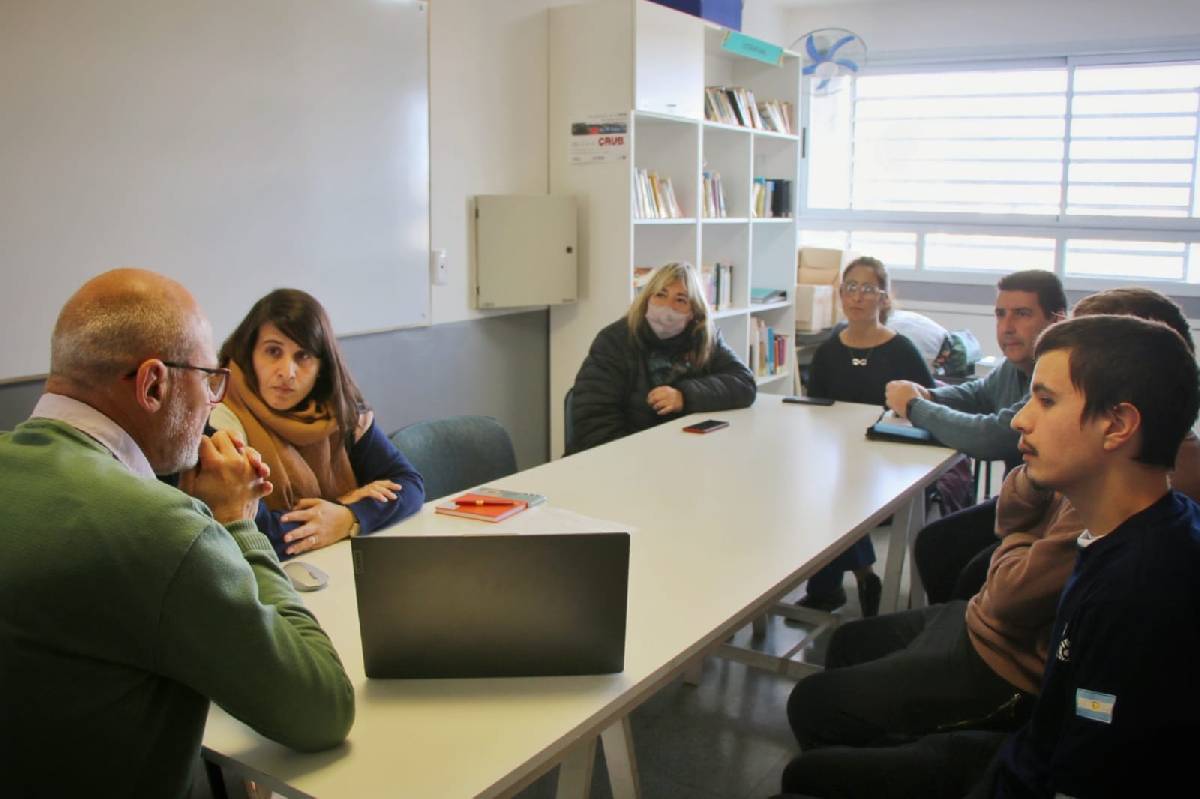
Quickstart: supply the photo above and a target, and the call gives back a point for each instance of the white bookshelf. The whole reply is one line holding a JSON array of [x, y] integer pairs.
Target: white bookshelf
[[652, 63]]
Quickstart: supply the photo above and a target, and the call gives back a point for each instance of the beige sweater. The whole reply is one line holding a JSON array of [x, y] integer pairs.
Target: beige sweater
[[1009, 619]]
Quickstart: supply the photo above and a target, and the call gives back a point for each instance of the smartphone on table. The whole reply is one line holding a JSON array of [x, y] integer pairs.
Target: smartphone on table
[[707, 426], [808, 400]]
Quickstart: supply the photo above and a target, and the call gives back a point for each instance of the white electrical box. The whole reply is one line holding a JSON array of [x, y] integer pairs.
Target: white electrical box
[[526, 250]]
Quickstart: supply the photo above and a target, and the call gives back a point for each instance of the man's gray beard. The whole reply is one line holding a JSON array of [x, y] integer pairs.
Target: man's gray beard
[[184, 454]]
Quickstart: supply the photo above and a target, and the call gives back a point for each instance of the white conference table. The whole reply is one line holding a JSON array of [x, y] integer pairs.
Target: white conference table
[[721, 525]]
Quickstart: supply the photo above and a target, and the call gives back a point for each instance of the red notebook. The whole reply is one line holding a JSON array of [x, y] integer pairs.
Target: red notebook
[[483, 507]]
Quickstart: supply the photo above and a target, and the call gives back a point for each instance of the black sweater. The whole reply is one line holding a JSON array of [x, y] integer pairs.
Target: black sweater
[[834, 373], [1119, 711]]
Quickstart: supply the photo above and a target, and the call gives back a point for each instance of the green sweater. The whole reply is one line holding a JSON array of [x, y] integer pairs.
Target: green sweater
[[125, 607]]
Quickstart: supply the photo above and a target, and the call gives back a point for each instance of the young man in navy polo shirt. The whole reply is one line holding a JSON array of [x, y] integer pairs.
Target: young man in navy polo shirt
[[1119, 713]]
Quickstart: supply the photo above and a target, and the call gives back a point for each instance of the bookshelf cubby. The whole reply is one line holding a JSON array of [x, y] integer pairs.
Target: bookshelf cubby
[[652, 64]]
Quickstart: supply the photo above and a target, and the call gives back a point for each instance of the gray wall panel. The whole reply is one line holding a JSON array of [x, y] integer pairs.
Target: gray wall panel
[[496, 366]]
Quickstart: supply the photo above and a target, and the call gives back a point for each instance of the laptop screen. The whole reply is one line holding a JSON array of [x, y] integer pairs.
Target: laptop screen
[[492, 605]]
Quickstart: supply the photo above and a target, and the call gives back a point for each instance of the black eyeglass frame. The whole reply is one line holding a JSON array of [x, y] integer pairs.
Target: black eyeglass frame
[[211, 371]]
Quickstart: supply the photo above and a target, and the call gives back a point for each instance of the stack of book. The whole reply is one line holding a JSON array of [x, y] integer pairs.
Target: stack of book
[[735, 105], [732, 105], [772, 198], [655, 197], [714, 196], [717, 280], [766, 296], [776, 115], [768, 349]]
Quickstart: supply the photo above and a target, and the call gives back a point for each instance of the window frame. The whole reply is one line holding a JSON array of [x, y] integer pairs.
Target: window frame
[[1060, 227]]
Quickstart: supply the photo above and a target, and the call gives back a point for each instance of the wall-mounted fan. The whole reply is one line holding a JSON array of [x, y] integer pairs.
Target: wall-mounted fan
[[832, 58]]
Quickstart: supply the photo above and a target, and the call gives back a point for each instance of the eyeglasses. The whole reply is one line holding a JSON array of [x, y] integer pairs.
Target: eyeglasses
[[215, 379], [866, 289]]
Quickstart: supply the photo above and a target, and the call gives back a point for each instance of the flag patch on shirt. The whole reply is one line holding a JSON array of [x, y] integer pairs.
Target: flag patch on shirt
[[1094, 705]]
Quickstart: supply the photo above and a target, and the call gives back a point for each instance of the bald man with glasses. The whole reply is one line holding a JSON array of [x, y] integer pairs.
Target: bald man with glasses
[[126, 605]]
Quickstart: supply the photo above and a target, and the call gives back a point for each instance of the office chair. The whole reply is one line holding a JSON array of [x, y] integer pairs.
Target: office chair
[[457, 452], [568, 425]]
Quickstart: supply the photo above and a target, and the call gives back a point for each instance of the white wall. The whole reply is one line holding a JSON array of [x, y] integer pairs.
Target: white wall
[[487, 119], [903, 26], [488, 87], [769, 20]]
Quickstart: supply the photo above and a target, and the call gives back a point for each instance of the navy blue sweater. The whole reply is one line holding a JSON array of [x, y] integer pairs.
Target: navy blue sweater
[[373, 457], [1119, 711]]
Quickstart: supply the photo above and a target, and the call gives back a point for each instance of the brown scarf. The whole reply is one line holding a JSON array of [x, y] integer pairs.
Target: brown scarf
[[304, 450]]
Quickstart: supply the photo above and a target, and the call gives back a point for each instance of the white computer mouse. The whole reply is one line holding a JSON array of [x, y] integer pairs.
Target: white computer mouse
[[305, 576]]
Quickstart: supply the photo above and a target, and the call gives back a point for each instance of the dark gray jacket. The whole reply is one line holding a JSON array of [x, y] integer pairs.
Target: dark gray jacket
[[609, 399]]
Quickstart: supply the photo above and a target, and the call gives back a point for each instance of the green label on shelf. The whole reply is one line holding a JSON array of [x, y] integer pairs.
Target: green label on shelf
[[749, 47]]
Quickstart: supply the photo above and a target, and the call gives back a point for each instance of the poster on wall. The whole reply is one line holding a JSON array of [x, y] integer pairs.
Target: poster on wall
[[599, 138]]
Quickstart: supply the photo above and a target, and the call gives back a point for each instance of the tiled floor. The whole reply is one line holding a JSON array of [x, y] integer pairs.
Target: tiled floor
[[727, 738]]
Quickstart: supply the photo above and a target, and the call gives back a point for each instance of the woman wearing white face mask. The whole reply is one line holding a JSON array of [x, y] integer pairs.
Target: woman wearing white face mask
[[665, 358]]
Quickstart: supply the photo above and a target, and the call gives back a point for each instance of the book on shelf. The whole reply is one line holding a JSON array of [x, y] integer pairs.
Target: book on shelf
[[673, 209], [768, 349], [763, 296], [717, 107], [751, 108], [736, 105], [762, 198], [768, 357], [714, 196], [781, 199], [643, 210], [481, 507], [655, 196], [772, 198], [659, 207], [776, 116], [783, 343], [717, 280]]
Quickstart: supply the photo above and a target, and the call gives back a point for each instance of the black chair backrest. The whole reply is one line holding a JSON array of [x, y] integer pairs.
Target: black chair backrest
[[456, 453], [568, 424]]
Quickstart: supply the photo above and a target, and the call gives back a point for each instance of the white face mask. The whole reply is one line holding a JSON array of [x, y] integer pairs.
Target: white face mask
[[665, 321]]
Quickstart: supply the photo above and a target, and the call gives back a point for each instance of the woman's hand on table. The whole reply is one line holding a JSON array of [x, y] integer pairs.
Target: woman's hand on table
[[322, 523], [665, 399], [379, 490]]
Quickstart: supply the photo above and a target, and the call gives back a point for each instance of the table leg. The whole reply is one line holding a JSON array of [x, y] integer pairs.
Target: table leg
[[916, 523], [575, 772], [622, 764], [906, 523]]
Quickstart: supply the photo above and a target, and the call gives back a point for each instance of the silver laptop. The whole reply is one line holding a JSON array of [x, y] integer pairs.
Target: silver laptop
[[492, 605]]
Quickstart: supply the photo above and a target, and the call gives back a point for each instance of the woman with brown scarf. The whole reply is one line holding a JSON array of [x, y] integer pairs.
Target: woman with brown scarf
[[290, 397]]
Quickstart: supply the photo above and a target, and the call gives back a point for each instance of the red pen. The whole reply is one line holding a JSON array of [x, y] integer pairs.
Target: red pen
[[489, 501]]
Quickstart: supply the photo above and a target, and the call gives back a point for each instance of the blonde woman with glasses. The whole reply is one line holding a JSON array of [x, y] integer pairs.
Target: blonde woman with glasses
[[663, 359]]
